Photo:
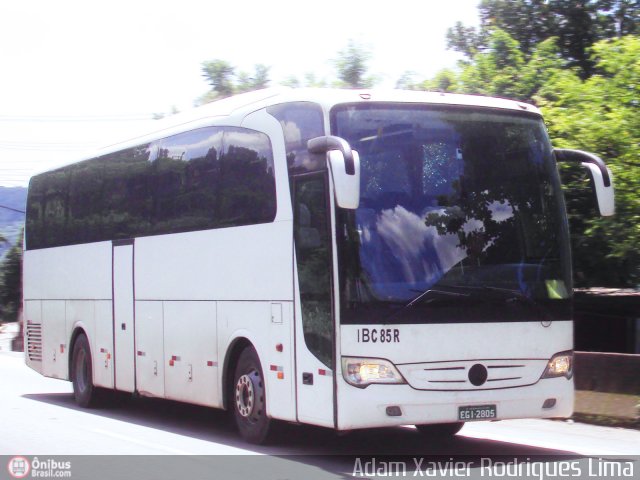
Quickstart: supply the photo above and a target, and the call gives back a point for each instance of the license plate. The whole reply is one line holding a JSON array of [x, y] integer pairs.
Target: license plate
[[479, 412]]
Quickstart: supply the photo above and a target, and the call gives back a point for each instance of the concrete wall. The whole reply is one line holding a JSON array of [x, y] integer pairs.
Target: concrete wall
[[607, 372]]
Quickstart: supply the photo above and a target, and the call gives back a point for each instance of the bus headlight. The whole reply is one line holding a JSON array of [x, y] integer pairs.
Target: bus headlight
[[560, 365], [361, 372]]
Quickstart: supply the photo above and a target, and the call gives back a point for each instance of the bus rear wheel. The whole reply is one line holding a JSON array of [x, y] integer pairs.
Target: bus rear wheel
[[248, 399], [440, 431], [85, 393]]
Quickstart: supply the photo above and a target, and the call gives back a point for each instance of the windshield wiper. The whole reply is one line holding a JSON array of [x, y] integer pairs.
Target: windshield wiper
[[437, 291], [511, 296], [472, 291], [439, 295]]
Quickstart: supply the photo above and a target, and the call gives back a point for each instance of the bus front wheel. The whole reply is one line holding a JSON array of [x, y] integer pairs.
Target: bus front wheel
[[440, 431], [249, 399], [84, 391]]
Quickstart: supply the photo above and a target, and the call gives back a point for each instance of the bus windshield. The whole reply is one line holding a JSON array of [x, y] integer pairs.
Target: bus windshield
[[460, 212]]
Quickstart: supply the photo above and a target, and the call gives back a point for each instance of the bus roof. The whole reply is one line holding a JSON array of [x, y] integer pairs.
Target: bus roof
[[245, 103], [235, 108], [328, 97]]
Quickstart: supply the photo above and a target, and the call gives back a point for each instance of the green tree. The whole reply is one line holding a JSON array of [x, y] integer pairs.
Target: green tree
[[502, 70], [466, 40], [352, 68], [496, 70], [310, 81], [545, 62], [219, 74], [601, 115], [408, 81], [246, 82], [224, 80], [598, 114], [445, 81], [576, 24], [11, 281]]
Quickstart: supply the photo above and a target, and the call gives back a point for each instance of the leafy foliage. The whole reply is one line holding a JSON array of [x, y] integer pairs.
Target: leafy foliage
[[599, 114], [576, 24], [11, 282], [351, 71], [351, 66], [225, 81]]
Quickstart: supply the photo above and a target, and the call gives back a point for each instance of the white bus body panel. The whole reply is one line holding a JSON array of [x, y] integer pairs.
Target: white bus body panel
[[150, 357], [231, 264], [189, 344], [524, 347], [62, 287], [54, 354], [281, 393], [78, 272], [102, 346]]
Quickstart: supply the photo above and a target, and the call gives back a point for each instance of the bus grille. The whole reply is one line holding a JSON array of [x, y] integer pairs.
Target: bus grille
[[488, 374], [34, 342]]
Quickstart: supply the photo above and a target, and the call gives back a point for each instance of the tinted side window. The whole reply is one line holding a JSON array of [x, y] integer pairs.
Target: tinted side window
[[207, 178], [89, 201], [102, 201], [247, 187], [300, 121], [313, 254], [183, 184], [47, 209]]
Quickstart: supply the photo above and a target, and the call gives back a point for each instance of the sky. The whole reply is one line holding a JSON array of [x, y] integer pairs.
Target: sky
[[77, 75]]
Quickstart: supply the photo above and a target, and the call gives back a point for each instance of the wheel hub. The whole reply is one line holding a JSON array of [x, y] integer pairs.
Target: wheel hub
[[245, 396]]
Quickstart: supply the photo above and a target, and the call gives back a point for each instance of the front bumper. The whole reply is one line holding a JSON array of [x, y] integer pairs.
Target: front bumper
[[367, 408]]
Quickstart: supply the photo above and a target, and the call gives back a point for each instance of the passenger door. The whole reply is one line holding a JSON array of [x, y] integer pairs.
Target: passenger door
[[315, 327], [123, 316]]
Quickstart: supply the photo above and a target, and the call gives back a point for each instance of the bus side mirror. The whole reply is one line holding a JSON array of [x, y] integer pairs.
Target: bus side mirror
[[344, 165], [601, 177], [346, 186]]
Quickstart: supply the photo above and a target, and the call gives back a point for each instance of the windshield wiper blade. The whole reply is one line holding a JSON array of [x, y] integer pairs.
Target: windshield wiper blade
[[512, 295], [518, 295], [440, 294], [434, 290]]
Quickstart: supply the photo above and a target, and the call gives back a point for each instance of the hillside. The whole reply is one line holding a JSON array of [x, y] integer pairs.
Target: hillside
[[11, 222]]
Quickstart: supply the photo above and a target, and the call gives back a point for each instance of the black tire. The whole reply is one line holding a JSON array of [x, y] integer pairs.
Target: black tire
[[248, 398], [440, 431], [85, 393]]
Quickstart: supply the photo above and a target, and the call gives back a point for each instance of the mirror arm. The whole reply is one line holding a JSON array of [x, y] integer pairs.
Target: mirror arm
[[330, 142], [578, 156]]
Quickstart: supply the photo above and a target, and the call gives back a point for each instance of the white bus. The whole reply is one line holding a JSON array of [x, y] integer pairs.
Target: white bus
[[342, 258]]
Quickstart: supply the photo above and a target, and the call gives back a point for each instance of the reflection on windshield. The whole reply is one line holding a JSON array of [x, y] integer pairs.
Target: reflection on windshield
[[401, 250], [450, 198]]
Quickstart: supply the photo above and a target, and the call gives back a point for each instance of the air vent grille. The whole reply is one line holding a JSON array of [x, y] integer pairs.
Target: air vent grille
[[34, 342]]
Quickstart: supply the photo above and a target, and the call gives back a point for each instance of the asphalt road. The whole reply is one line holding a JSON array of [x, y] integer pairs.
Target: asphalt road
[[39, 417]]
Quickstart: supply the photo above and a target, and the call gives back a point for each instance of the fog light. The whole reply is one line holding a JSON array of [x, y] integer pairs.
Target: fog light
[[549, 403], [394, 411]]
